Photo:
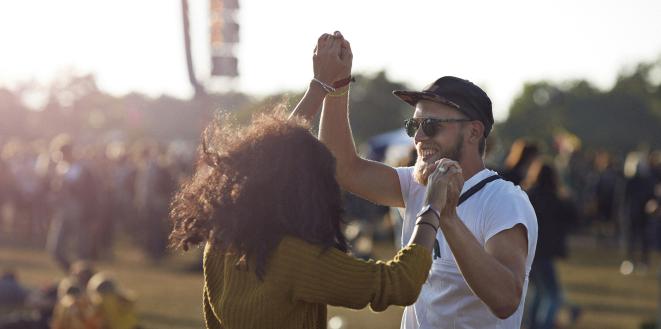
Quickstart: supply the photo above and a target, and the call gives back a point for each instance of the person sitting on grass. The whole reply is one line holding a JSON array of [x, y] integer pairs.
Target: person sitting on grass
[[116, 306], [74, 309]]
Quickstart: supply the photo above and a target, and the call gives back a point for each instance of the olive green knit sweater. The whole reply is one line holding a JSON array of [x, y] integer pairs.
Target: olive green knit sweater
[[301, 280]]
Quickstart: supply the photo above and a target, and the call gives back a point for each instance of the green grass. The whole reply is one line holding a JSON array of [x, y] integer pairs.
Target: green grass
[[169, 294]]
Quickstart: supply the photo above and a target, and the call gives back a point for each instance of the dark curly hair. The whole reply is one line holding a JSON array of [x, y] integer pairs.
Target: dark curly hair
[[255, 184]]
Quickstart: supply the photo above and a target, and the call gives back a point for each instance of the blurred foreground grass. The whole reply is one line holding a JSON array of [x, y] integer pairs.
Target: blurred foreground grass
[[169, 292]]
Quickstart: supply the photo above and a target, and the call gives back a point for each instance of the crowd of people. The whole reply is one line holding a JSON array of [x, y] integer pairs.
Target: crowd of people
[[613, 199], [72, 198]]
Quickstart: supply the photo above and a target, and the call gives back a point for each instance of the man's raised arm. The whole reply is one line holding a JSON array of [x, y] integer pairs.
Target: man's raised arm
[[327, 67], [374, 181]]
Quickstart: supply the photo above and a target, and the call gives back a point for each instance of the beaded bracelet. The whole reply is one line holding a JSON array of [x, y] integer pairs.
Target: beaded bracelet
[[328, 88]]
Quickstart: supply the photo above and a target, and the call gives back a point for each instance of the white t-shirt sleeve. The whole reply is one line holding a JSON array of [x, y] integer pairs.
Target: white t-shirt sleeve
[[405, 175], [507, 209]]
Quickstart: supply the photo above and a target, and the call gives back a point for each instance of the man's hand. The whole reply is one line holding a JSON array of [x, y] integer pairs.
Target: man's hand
[[454, 186], [346, 56], [332, 58], [444, 186]]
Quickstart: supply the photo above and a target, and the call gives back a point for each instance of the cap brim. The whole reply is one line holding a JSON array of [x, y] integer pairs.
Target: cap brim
[[413, 97]]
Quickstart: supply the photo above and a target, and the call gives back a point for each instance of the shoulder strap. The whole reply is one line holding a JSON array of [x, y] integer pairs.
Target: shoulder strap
[[464, 196], [476, 188]]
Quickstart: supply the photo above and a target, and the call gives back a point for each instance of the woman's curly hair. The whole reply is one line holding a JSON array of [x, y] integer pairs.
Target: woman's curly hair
[[255, 184]]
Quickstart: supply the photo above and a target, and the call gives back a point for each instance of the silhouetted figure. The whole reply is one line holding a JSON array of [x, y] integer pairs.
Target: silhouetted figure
[[607, 183], [522, 154], [73, 206], [639, 191], [154, 185], [555, 216]]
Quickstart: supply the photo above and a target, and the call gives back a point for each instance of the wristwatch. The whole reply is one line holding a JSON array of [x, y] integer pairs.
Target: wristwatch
[[427, 208]]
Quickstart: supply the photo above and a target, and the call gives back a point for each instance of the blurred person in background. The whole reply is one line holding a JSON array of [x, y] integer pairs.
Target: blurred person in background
[[154, 185], [556, 215], [115, 306], [74, 309], [7, 193], [522, 153], [607, 183], [40, 208], [27, 309], [12, 293], [102, 224], [362, 218], [578, 174], [80, 273], [269, 209], [122, 177], [74, 201], [653, 206], [639, 191], [24, 207]]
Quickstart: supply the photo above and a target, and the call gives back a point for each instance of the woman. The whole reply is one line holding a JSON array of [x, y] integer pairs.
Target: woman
[[522, 153], [266, 204], [555, 216]]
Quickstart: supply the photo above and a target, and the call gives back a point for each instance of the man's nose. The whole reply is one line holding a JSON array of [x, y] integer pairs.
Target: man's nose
[[420, 135]]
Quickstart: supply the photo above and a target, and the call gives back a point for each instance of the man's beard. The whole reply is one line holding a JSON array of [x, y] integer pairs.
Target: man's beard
[[421, 170]]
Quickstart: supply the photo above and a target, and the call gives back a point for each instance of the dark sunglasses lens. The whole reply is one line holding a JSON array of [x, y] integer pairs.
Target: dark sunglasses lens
[[429, 128], [411, 126]]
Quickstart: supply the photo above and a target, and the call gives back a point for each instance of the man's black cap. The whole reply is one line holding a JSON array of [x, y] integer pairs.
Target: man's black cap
[[458, 93]]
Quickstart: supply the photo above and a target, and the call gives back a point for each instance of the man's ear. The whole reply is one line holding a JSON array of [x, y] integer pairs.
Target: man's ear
[[476, 131]]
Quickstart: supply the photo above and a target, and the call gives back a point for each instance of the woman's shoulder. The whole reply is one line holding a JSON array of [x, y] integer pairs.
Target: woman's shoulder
[[293, 250], [295, 245]]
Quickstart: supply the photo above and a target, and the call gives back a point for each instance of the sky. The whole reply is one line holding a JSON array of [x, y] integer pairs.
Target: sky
[[137, 45]]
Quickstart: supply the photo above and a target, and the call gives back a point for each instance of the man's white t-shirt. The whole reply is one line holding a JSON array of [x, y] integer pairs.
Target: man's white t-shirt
[[446, 301]]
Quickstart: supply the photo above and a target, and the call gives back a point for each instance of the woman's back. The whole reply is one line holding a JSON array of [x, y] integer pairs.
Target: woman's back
[[300, 280]]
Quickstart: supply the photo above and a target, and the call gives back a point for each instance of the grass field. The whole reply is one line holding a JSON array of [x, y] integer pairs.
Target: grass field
[[169, 292]]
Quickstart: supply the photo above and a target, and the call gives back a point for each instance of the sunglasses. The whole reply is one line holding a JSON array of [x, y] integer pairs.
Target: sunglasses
[[429, 126]]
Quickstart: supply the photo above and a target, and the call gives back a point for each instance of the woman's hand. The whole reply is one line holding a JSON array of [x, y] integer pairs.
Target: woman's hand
[[444, 187], [332, 58]]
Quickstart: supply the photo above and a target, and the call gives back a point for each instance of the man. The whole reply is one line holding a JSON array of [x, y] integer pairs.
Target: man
[[485, 245]]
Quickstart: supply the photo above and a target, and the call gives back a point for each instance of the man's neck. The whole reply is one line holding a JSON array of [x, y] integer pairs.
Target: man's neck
[[470, 168]]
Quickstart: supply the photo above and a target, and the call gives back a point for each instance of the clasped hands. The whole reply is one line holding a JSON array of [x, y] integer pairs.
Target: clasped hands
[[332, 58], [444, 187]]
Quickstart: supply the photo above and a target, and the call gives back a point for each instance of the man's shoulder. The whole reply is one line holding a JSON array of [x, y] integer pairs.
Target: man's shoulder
[[504, 187], [501, 192]]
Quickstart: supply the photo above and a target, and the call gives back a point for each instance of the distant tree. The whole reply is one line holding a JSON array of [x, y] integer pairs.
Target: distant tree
[[374, 109], [620, 119]]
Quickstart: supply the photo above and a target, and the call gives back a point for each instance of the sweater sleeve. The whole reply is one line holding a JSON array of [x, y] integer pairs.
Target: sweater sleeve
[[210, 319], [335, 278], [215, 265]]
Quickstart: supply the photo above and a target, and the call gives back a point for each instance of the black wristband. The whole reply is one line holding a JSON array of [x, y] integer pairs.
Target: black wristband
[[427, 223]]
